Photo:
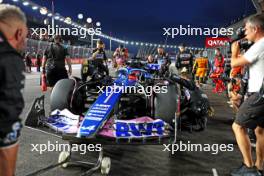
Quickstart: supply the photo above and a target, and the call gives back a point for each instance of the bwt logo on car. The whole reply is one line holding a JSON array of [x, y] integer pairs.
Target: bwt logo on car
[[124, 129]]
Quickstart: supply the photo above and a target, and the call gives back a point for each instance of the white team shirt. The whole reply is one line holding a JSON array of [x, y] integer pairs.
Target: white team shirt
[[255, 56]]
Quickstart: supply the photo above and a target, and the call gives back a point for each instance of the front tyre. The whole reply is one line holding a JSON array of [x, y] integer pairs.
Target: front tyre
[[61, 95]]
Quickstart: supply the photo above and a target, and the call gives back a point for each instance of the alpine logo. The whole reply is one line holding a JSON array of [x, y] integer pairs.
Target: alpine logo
[[89, 128]]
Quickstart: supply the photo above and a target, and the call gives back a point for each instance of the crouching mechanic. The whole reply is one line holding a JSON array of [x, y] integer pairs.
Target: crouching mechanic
[[195, 107], [13, 32], [250, 113]]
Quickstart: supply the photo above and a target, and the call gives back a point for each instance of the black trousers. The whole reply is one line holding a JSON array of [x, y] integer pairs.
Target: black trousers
[[55, 74]]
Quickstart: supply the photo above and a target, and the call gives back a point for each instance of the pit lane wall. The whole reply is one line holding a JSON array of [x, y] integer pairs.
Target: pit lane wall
[[76, 53], [73, 61]]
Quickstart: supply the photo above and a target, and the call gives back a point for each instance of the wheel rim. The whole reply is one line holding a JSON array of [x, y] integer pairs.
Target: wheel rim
[[63, 157], [105, 165]]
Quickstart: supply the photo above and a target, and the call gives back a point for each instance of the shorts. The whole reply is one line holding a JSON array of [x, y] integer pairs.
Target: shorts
[[56, 74], [251, 112], [9, 133], [200, 72]]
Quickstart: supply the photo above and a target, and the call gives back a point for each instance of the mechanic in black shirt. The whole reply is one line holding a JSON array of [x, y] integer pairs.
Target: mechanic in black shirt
[[184, 59], [99, 59], [38, 61], [54, 60], [28, 62], [13, 32], [162, 59]]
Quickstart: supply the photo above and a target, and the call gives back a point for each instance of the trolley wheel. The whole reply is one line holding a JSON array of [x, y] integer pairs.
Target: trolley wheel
[[105, 165], [63, 157]]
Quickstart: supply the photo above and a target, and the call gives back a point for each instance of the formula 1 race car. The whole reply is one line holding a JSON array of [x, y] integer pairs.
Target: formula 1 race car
[[131, 108], [134, 93], [138, 106]]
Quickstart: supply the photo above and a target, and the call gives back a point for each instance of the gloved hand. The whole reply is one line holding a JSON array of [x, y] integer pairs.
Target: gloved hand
[[167, 74], [175, 77]]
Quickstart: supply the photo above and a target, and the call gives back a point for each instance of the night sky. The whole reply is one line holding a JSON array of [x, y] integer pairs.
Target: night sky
[[143, 20]]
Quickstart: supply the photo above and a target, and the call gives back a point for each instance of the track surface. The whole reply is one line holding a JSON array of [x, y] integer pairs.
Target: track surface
[[139, 160]]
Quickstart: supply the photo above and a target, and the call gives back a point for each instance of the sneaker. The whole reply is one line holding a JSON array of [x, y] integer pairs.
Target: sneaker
[[243, 170]]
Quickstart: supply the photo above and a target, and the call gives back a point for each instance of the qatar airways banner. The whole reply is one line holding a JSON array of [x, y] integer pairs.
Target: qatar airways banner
[[211, 42]]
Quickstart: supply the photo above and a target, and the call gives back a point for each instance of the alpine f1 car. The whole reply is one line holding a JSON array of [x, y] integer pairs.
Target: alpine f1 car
[[129, 108], [133, 94], [138, 106]]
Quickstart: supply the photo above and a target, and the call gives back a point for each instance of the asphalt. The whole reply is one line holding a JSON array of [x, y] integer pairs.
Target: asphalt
[[144, 160]]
